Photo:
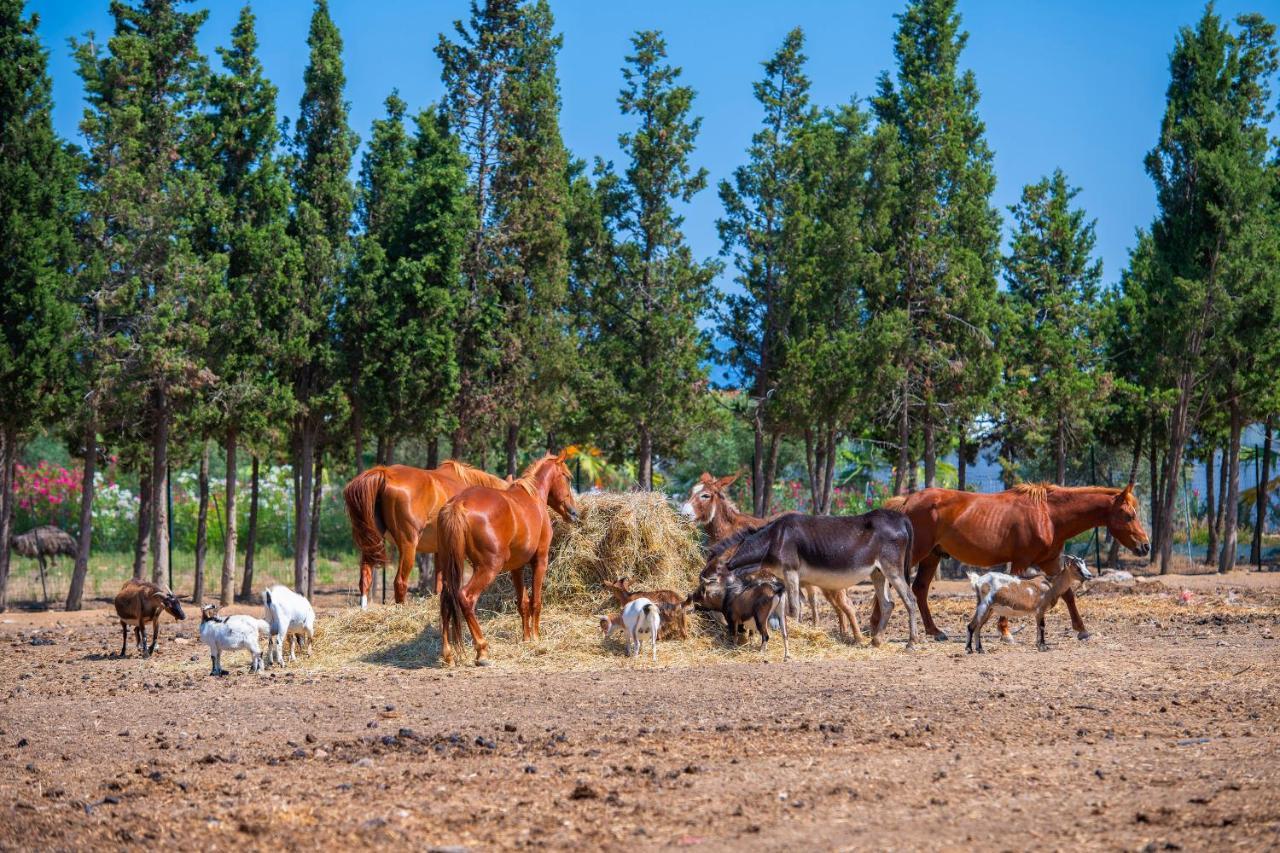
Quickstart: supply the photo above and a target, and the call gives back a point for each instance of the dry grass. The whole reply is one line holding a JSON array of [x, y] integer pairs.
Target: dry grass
[[641, 536]]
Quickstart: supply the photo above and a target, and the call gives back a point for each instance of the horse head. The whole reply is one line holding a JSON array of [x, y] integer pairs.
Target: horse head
[[1123, 523], [707, 497], [560, 497]]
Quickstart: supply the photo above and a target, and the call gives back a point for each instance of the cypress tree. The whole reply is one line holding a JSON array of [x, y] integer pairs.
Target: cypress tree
[[759, 230], [1055, 382], [145, 218], [323, 148], [947, 233], [1213, 190], [261, 259], [645, 312], [37, 191]]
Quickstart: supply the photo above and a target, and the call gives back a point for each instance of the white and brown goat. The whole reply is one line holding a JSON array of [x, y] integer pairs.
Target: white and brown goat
[[1000, 594]]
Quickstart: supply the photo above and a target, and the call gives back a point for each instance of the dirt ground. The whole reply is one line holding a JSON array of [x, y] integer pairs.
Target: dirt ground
[[1160, 732]]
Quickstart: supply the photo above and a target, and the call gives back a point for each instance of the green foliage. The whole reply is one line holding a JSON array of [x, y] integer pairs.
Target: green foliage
[[645, 308], [1055, 380], [37, 202]]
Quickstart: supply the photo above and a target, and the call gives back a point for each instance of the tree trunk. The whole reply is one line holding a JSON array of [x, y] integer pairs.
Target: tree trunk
[[202, 524], [1222, 499], [1155, 532], [159, 493], [357, 436], [1231, 516], [227, 588], [1211, 550], [302, 505], [433, 452], [142, 543], [771, 473], [75, 594], [313, 543], [930, 451], [8, 472], [904, 446], [912, 473], [644, 467], [1060, 451], [757, 468], [1260, 497], [380, 457], [829, 480], [251, 540], [458, 445], [1179, 427], [512, 446]]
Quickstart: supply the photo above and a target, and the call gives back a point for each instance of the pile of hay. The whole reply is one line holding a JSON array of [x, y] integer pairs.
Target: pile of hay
[[632, 534]]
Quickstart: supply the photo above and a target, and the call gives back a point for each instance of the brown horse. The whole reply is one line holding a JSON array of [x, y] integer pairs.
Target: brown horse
[[1024, 526], [498, 530], [709, 505], [403, 502]]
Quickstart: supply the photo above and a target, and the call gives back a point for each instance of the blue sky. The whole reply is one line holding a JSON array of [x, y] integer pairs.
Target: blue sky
[[1078, 85]]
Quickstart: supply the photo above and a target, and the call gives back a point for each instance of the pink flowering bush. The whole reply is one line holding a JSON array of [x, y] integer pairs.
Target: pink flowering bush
[[47, 493]]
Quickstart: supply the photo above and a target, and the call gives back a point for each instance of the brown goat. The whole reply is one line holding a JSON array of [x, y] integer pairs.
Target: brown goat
[[139, 602], [670, 606], [741, 601]]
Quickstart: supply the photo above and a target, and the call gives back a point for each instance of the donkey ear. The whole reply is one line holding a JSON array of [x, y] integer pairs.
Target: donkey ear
[[706, 478], [725, 482]]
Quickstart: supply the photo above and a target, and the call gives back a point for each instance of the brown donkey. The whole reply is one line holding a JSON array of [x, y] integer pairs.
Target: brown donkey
[[498, 530]]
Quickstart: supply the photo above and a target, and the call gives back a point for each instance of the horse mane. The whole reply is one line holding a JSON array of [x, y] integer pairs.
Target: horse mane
[[472, 475], [1040, 492], [528, 479]]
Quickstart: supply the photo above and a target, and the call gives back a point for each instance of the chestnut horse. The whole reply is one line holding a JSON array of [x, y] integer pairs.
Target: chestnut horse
[[1024, 526], [710, 506], [403, 502], [498, 530]]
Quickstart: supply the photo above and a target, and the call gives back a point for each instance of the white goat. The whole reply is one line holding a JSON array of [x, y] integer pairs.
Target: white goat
[[290, 617], [1001, 594], [640, 615], [228, 633]]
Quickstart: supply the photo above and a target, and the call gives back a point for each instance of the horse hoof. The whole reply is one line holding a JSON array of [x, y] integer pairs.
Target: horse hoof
[[941, 636], [1083, 635], [484, 662], [1042, 647]]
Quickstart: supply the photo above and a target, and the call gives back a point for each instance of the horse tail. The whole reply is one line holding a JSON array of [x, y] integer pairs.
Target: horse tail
[[361, 496], [451, 554]]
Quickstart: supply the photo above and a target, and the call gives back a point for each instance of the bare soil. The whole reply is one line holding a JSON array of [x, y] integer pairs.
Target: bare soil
[[1160, 732]]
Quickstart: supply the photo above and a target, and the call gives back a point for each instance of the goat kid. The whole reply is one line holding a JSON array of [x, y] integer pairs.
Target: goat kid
[[639, 616], [228, 633], [139, 602], [763, 602], [1000, 594], [670, 605], [290, 618]]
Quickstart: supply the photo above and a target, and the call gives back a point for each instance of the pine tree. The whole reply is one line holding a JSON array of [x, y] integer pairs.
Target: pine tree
[[1055, 382], [37, 191], [947, 233], [645, 312], [759, 229], [323, 148], [261, 259], [1213, 193], [146, 214]]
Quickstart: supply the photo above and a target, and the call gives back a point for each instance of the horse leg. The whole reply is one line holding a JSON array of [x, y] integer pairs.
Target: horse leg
[[842, 601], [539, 575], [813, 605], [408, 548], [884, 605], [920, 586], [522, 602], [124, 639], [832, 599], [366, 581], [1077, 624], [468, 596], [1002, 624]]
